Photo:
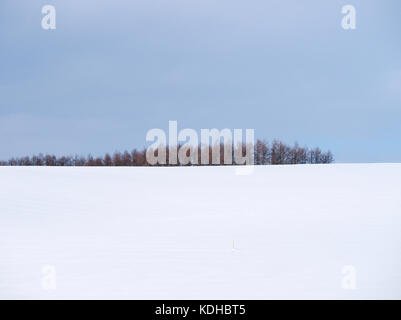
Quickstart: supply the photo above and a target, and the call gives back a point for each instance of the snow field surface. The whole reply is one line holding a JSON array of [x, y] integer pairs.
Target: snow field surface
[[201, 232]]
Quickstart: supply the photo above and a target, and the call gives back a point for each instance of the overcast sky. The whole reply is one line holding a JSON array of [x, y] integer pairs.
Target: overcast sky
[[112, 70]]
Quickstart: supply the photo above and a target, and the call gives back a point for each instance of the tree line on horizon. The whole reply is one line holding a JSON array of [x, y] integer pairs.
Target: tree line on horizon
[[275, 153]]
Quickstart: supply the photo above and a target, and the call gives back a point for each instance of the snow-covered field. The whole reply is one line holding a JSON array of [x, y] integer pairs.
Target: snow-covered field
[[169, 233]]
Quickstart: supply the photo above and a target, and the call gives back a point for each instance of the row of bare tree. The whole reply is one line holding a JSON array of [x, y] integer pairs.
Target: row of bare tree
[[280, 153], [264, 153]]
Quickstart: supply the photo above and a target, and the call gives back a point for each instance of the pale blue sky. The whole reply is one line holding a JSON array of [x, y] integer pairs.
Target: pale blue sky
[[112, 70]]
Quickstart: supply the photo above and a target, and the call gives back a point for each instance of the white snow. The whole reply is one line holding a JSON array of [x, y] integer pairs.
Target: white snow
[[168, 233]]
